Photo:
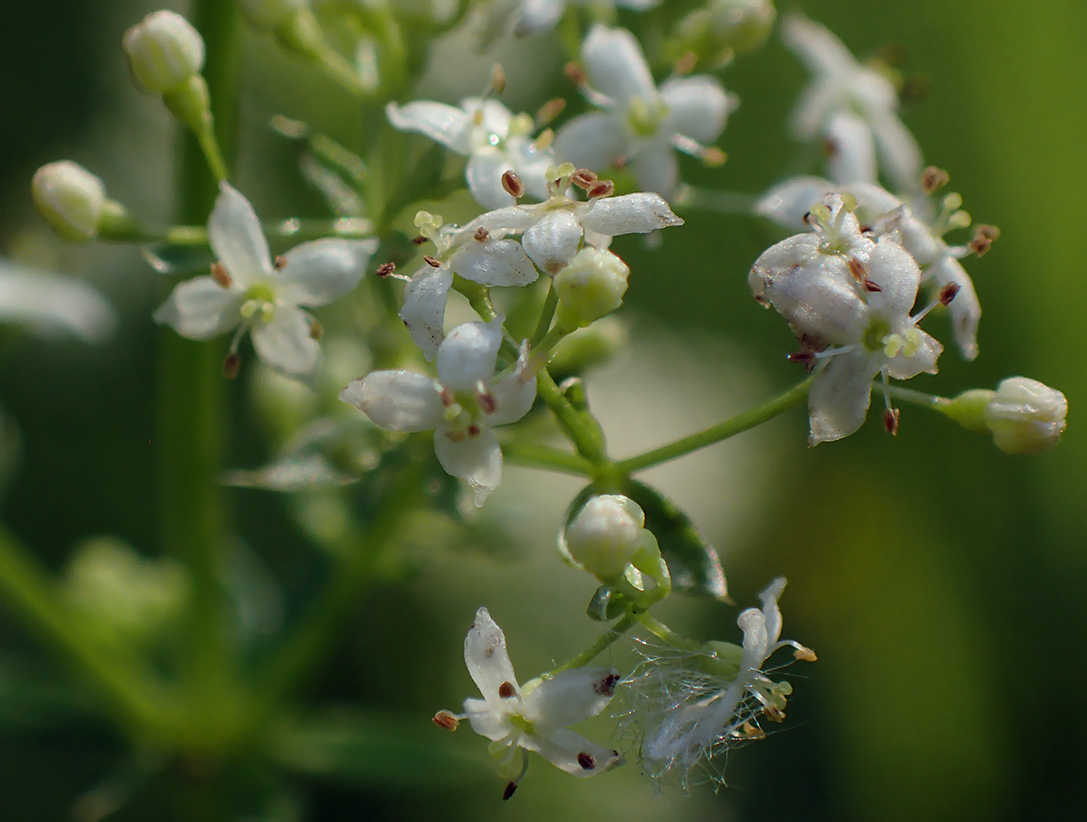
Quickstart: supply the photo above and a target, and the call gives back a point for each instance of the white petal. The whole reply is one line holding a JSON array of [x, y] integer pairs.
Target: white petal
[[486, 657], [816, 103], [788, 201], [52, 305], [770, 609], [553, 241], [594, 140], [821, 51], [756, 637], [476, 460], [697, 107], [513, 219], [538, 15], [840, 396], [200, 309], [513, 394], [494, 262], [852, 150], [892, 268], [235, 235], [484, 177], [397, 400], [629, 214], [965, 309], [468, 355], [899, 153], [324, 270], [441, 122], [616, 66], [488, 719], [423, 311], [570, 752], [570, 697], [656, 169], [531, 164], [494, 119], [285, 343], [924, 360]]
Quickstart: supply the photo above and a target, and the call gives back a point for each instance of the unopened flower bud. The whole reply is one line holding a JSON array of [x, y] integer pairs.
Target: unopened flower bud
[[590, 287], [1026, 416], [605, 534], [164, 50], [70, 198], [270, 14], [723, 28]]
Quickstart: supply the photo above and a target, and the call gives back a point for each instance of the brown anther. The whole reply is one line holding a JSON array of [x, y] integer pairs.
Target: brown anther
[[487, 402], [385, 269], [983, 238], [482, 235], [914, 88], [498, 79], [508, 792], [606, 686], [752, 732], [871, 287], [601, 188], [446, 720], [774, 713], [316, 330], [933, 179], [433, 262], [279, 263], [549, 111], [232, 363], [830, 148], [575, 73], [220, 275], [512, 184], [805, 655], [865, 229], [713, 157], [805, 357], [620, 161], [948, 293], [856, 267], [456, 435], [584, 178], [418, 240], [474, 430], [989, 232], [586, 761], [890, 420], [446, 397], [506, 690], [686, 63]]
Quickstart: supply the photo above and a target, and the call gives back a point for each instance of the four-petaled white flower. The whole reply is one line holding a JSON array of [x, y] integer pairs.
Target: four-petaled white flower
[[641, 124], [534, 716], [247, 290], [853, 108], [533, 16], [847, 299], [461, 405], [709, 701], [489, 135]]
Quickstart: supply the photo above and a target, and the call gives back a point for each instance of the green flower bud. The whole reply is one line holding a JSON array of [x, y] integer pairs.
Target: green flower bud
[[968, 409], [588, 348], [164, 50], [1026, 416], [605, 535], [70, 198], [590, 287], [724, 28]]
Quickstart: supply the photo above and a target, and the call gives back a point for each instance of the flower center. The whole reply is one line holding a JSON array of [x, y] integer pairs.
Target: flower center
[[522, 724], [259, 303], [646, 117]]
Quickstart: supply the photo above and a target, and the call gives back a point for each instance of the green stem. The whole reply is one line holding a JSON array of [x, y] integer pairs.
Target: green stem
[[581, 429], [551, 302], [716, 433], [542, 456], [297, 230], [663, 632], [593, 651], [909, 395]]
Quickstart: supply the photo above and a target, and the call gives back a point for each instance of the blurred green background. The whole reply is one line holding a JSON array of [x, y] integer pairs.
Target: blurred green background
[[941, 582]]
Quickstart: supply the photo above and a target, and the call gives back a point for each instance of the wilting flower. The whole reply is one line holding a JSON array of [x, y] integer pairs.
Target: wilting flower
[[533, 716], [640, 123], [461, 405], [247, 290]]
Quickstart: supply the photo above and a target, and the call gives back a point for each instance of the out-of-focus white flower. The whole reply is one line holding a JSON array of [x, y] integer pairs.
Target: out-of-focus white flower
[[699, 704], [461, 405], [474, 255], [70, 198], [1026, 416], [526, 17], [852, 107], [848, 301], [489, 135], [164, 51], [52, 305], [247, 289], [535, 716], [640, 123]]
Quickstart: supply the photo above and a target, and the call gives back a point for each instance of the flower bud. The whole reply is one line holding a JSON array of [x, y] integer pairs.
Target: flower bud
[[164, 51], [723, 28], [605, 535], [1026, 416], [270, 14], [70, 198], [590, 287], [588, 348]]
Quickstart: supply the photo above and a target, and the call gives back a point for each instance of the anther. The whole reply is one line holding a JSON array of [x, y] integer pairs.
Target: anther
[[870, 286], [509, 791], [947, 293], [575, 74], [433, 262], [584, 178], [446, 720], [232, 363], [856, 267], [713, 157], [890, 421], [447, 397], [774, 713], [512, 184], [606, 686], [805, 357], [506, 690], [752, 732], [385, 269], [279, 263], [549, 111], [933, 179], [487, 403], [474, 431], [983, 239], [498, 79], [686, 63], [805, 655], [220, 275], [482, 235], [418, 240], [601, 188], [586, 761], [316, 330]]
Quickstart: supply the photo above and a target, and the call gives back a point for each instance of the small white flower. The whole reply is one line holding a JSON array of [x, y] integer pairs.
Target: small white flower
[[640, 123], [848, 301], [851, 106], [529, 17], [489, 135], [701, 704], [1026, 416], [251, 293], [535, 716], [461, 405]]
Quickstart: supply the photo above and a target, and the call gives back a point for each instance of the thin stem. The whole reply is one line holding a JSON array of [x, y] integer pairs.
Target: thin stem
[[573, 423], [210, 146], [663, 632], [593, 651], [551, 302], [716, 433], [916, 397], [542, 456], [291, 229]]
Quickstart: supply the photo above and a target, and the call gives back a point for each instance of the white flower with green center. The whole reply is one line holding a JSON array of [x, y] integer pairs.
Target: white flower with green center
[[641, 124], [489, 135], [461, 405], [847, 299], [533, 716], [854, 108], [249, 292]]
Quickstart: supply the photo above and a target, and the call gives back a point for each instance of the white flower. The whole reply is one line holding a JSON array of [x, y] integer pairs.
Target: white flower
[[702, 703], [853, 107], [1026, 416], [848, 301], [489, 135], [640, 123], [535, 716], [51, 305], [246, 289], [533, 16], [461, 405]]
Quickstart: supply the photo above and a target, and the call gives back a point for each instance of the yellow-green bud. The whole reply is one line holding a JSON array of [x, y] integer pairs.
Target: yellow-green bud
[[723, 28], [73, 201], [1026, 416], [605, 535], [164, 51], [270, 14], [590, 287]]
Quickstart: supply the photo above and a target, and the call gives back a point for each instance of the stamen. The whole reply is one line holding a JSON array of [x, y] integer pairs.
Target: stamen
[[549, 111], [482, 235], [948, 293], [983, 239], [512, 786], [805, 654], [586, 761], [544, 141], [512, 184], [385, 269], [933, 179], [232, 363], [498, 80], [279, 263], [485, 398], [584, 178], [220, 275], [890, 420], [433, 262], [446, 720], [804, 357], [601, 188], [870, 286], [686, 64], [316, 330], [418, 240], [506, 690], [858, 269], [575, 74]]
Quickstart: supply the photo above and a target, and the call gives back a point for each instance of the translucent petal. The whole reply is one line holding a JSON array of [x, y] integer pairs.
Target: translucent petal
[[594, 140], [531, 164], [924, 360], [818, 49], [200, 309], [494, 120], [629, 214], [441, 122], [965, 309], [53, 305], [538, 15], [852, 150], [494, 262], [899, 153], [656, 169], [322, 271], [553, 241], [616, 66], [788, 201], [423, 311], [770, 609], [513, 395], [397, 400], [756, 638], [476, 460], [571, 752], [569, 697], [486, 657], [840, 396], [468, 355], [285, 342], [697, 107], [235, 235], [484, 177], [487, 719]]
